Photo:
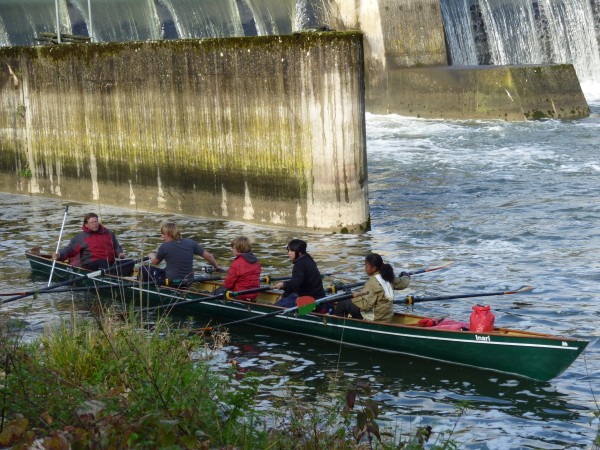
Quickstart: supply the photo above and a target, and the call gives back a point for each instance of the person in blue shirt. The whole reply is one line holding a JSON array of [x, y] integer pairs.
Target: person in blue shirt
[[178, 253]]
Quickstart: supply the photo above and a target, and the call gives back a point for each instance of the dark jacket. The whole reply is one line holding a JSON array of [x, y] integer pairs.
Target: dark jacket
[[244, 273], [92, 246], [306, 279]]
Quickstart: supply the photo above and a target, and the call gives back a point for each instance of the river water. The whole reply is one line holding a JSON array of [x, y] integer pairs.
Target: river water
[[511, 204]]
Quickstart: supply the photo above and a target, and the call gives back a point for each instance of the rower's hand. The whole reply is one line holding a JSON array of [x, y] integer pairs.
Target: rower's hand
[[122, 255], [221, 269], [278, 285], [55, 256]]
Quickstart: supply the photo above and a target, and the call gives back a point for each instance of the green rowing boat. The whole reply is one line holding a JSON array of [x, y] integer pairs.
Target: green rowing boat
[[528, 354]]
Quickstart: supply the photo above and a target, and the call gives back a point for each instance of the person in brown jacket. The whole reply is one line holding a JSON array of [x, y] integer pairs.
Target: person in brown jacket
[[376, 300]]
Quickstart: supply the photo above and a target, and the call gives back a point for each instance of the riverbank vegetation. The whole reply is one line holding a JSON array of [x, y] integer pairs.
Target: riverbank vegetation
[[113, 382]]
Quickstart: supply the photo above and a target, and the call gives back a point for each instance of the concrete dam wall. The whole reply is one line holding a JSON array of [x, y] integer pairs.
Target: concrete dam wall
[[408, 47], [399, 37], [267, 130]]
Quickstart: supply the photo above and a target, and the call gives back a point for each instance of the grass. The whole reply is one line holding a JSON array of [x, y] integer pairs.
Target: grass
[[112, 382]]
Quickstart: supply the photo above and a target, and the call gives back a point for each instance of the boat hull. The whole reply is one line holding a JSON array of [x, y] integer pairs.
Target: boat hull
[[527, 354]]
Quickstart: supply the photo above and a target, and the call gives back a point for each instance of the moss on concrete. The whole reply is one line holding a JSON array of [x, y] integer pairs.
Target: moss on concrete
[[263, 122]]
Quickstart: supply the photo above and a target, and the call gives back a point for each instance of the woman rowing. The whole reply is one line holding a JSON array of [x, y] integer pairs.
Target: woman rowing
[[376, 301], [244, 271], [306, 278]]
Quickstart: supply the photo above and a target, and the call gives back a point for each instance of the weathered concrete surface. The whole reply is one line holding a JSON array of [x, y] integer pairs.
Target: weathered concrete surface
[[406, 70], [512, 93], [267, 130], [397, 33]]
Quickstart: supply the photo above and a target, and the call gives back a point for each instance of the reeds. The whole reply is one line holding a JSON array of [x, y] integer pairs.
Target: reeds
[[115, 381]]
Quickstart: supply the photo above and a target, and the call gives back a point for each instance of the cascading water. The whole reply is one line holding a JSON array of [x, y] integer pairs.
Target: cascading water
[[21, 21], [511, 31], [571, 35], [459, 35], [311, 14], [209, 18], [505, 32], [3, 35], [113, 19]]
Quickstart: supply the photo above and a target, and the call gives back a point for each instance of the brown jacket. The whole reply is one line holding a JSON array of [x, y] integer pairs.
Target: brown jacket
[[374, 305]]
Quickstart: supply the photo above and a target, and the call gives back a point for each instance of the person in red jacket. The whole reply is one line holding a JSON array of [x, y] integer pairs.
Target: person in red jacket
[[95, 246], [244, 271]]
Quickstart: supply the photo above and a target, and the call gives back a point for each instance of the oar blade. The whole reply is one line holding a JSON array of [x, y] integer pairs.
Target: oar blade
[[522, 289], [305, 304]]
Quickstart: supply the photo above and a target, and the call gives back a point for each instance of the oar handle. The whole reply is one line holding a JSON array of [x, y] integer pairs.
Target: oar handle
[[177, 283], [269, 279], [334, 288], [211, 269], [230, 295]]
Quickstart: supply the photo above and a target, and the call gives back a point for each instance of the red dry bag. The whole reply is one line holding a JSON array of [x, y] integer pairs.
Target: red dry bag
[[482, 319]]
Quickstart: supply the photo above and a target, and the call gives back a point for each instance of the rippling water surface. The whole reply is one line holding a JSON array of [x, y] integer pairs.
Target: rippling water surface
[[512, 204]]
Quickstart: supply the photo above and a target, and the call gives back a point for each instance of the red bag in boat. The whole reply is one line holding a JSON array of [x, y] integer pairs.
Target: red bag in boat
[[427, 322], [450, 324], [482, 319]]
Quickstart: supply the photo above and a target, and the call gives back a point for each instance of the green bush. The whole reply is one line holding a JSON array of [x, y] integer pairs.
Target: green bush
[[114, 382]]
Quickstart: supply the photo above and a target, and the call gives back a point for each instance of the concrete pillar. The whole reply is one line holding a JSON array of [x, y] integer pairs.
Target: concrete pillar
[[268, 130]]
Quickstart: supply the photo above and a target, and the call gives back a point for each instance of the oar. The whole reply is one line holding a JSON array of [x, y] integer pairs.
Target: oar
[[58, 244], [229, 295], [304, 303], [338, 287], [78, 288], [430, 269], [74, 280], [269, 279], [409, 299], [182, 284], [232, 295], [95, 274], [128, 285]]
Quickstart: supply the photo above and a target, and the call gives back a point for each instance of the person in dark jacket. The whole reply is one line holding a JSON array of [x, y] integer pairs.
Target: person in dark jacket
[[95, 247], [306, 278], [244, 271]]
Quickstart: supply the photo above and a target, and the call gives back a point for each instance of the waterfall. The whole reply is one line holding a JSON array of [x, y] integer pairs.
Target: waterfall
[[3, 35], [113, 20], [458, 28], [571, 35], [208, 18], [505, 32], [512, 33], [21, 21]]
